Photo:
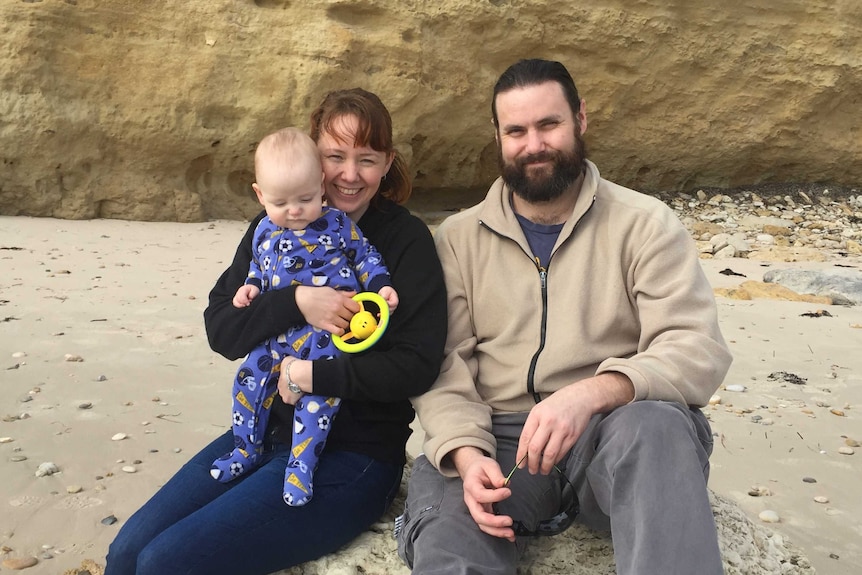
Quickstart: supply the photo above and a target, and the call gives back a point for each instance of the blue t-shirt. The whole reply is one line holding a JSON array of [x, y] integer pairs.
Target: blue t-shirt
[[541, 238]]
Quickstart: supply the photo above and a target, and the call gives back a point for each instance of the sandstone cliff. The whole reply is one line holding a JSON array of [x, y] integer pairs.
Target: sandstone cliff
[[151, 110]]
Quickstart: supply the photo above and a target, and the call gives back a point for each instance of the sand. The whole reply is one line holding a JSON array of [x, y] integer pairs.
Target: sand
[[101, 337]]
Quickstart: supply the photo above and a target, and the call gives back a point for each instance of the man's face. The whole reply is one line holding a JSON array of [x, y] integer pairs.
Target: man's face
[[539, 144]]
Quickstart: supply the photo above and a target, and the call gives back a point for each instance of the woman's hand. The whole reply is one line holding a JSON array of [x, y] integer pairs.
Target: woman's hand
[[326, 308], [299, 372]]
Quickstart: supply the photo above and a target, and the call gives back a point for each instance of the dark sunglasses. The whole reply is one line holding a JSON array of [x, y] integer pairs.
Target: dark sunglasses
[[559, 522]]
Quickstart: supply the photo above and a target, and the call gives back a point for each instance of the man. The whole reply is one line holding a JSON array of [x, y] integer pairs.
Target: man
[[582, 337]]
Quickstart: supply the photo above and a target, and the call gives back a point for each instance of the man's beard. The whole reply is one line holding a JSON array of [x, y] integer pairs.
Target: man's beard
[[541, 186]]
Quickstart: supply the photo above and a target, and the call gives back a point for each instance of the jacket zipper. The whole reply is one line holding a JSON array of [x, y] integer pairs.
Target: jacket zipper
[[531, 374], [543, 280]]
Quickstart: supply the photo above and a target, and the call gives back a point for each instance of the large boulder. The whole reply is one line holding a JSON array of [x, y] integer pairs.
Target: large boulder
[[746, 549], [151, 110]]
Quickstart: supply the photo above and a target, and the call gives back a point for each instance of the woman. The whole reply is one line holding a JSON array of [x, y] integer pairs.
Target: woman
[[196, 525]]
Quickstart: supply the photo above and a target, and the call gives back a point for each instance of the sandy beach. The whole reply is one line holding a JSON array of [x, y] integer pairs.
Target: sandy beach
[[107, 374]]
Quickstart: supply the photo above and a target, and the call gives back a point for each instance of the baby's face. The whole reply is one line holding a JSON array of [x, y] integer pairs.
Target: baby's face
[[292, 198]]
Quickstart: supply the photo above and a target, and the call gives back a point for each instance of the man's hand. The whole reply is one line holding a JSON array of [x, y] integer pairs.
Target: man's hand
[[484, 485], [556, 423], [245, 294], [326, 308]]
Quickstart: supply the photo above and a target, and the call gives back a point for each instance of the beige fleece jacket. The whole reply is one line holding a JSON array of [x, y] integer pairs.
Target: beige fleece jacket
[[624, 291]]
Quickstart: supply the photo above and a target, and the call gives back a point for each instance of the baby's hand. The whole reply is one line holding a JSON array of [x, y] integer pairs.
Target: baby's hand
[[388, 293], [244, 295]]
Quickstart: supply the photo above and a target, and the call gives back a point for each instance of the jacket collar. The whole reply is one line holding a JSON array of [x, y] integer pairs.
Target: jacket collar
[[497, 213]]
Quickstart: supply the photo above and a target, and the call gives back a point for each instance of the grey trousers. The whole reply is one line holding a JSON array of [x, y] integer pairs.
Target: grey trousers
[[639, 472]]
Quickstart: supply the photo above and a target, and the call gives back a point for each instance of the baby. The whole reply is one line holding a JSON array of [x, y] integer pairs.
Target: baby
[[300, 241]]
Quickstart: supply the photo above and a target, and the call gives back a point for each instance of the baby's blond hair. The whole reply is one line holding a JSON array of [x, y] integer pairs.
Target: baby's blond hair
[[290, 146]]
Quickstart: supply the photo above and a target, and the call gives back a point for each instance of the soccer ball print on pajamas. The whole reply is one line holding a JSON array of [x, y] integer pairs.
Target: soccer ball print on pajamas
[[330, 252]]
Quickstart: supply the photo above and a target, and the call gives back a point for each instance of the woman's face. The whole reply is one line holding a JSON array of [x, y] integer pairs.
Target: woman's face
[[351, 175]]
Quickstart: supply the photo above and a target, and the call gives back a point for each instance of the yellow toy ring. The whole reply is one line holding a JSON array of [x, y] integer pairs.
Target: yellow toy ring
[[365, 328]]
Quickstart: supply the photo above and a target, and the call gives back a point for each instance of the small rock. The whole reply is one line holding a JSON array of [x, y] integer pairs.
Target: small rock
[[119, 437], [837, 412], [73, 358], [756, 418], [101, 378], [177, 449], [821, 499], [130, 469], [74, 489], [109, 520], [18, 458], [6, 440], [47, 468], [735, 387], [20, 563], [759, 491], [809, 480], [846, 450], [19, 354], [85, 405], [715, 400], [769, 516], [851, 442]]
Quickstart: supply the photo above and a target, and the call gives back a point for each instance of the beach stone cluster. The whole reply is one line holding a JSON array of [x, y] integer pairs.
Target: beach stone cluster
[[780, 223]]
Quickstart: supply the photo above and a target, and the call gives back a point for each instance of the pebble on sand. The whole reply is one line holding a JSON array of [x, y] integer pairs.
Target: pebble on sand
[[73, 358], [821, 499], [734, 387], [47, 468], [846, 450], [6, 440], [19, 563], [130, 469], [119, 437], [769, 516]]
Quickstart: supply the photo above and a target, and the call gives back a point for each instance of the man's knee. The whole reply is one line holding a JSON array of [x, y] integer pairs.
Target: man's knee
[[652, 420], [437, 534]]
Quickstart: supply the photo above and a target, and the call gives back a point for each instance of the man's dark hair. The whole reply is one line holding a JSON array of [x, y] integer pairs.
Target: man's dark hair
[[531, 73]]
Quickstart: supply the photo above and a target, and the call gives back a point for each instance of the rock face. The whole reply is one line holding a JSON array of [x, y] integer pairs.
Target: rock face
[[746, 549], [151, 110]]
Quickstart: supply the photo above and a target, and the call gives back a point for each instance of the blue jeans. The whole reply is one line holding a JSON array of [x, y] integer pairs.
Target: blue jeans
[[196, 525]]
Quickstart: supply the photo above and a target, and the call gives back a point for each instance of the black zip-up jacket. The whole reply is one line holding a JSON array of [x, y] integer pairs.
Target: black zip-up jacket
[[375, 414]]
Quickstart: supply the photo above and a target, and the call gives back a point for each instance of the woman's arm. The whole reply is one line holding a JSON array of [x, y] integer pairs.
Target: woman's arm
[[406, 361], [233, 332]]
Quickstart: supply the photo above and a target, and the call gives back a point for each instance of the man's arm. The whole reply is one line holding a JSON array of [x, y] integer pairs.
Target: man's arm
[[556, 423], [452, 413]]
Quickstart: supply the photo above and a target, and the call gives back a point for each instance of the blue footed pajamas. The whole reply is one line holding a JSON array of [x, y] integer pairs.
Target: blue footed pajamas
[[330, 252]]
